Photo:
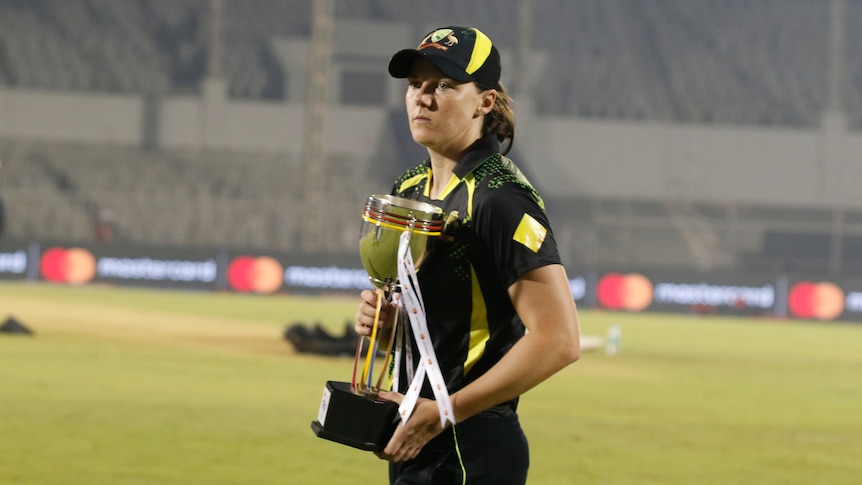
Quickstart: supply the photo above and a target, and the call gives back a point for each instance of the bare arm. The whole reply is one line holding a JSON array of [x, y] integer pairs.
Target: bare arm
[[544, 302]]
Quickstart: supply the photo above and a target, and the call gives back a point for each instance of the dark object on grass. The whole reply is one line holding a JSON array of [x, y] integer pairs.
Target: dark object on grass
[[317, 340], [11, 325]]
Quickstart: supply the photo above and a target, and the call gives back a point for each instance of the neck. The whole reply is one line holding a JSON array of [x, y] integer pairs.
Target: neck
[[441, 171], [444, 158]]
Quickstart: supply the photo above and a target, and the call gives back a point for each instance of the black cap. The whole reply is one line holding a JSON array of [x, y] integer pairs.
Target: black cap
[[462, 53]]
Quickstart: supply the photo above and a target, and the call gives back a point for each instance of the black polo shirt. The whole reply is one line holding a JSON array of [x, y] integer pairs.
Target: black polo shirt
[[502, 232]]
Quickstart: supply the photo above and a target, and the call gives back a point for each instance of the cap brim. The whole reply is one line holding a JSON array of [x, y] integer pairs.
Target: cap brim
[[402, 63]]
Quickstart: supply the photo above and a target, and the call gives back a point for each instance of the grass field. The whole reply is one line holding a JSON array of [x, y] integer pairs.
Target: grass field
[[121, 386]]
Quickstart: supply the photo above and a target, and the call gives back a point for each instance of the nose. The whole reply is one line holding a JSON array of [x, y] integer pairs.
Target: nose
[[425, 94]]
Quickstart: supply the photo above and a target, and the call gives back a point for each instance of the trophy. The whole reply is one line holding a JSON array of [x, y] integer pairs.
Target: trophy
[[394, 230]]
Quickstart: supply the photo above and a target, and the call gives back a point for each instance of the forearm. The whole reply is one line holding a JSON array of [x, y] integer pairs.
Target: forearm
[[544, 302], [532, 360]]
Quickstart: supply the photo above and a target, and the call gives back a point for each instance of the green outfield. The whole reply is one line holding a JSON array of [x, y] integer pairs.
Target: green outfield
[[121, 386]]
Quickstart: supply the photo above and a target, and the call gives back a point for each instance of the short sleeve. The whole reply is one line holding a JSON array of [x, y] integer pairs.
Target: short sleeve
[[515, 231]]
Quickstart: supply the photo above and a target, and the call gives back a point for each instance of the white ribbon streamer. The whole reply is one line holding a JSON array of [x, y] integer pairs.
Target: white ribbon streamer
[[402, 347], [399, 342], [428, 366]]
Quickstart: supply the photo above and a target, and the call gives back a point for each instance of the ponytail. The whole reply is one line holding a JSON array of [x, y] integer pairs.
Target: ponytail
[[501, 120]]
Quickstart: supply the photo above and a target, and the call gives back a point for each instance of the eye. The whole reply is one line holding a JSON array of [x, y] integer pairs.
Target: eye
[[414, 84], [443, 85]]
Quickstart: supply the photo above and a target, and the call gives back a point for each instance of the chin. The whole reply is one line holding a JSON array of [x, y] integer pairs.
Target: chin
[[422, 140]]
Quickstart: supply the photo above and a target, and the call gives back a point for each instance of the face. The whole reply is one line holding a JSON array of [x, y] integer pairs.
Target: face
[[445, 115]]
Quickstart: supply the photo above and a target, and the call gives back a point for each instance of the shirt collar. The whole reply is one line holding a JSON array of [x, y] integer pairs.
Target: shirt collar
[[480, 150]]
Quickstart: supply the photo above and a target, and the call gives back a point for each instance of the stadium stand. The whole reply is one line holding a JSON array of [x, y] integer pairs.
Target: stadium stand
[[695, 61], [245, 199]]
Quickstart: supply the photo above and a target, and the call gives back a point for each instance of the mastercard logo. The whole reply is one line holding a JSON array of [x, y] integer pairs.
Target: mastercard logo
[[259, 275], [821, 301], [632, 292], [68, 265]]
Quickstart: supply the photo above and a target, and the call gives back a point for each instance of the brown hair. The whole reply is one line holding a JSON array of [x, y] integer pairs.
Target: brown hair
[[501, 119]]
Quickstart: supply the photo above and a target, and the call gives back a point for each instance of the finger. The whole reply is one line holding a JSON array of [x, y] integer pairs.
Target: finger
[[365, 315], [392, 396], [369, 297], [406, 452], [362, 329]]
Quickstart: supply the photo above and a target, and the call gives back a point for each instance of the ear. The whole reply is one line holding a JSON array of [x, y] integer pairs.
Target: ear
[[489, 97]]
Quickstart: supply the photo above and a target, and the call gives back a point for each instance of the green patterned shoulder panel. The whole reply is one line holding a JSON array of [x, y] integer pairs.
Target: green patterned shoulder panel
[[497, 171]]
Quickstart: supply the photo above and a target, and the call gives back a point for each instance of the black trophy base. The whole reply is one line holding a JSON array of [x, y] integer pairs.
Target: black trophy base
[[353, 420]]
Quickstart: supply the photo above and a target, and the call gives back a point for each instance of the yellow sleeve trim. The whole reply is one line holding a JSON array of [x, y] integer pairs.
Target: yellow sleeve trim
[[531, 233]]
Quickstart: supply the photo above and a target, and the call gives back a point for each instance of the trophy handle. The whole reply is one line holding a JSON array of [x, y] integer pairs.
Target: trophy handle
[[363, 385], [389, 349]]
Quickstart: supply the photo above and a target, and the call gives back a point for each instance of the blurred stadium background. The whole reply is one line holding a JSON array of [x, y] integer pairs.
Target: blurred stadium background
[[671, 135], [692, 153]]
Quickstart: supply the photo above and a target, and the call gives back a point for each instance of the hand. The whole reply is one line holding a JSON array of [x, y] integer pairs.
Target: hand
[[367, 309], [412, 436]]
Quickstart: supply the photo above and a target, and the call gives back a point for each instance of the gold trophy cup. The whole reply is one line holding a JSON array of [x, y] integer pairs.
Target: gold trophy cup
[[351, 412]]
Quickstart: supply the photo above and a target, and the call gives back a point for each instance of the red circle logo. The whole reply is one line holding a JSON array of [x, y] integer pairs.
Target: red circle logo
[[821, 301], [632, 292], [68, 265], [260, 275]]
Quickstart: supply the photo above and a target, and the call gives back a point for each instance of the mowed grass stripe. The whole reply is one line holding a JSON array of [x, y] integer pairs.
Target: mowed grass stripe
[[128, 386]]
